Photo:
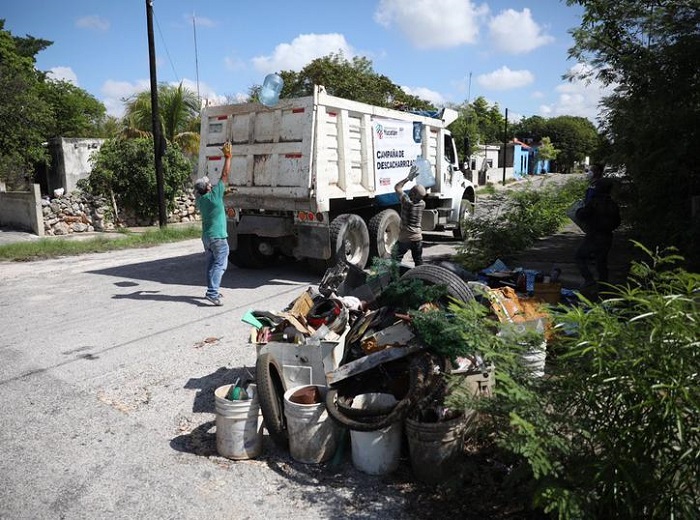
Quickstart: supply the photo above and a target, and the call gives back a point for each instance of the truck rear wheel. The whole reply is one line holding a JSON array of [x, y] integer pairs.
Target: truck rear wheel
[[253, 252], [466, 210], [349, 240], [384, 232]]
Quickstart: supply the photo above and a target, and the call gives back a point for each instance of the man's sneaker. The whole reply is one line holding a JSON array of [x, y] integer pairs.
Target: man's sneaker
[[215, 300]]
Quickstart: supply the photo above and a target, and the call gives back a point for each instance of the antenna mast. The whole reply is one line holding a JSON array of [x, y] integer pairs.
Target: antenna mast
[[196, 56]]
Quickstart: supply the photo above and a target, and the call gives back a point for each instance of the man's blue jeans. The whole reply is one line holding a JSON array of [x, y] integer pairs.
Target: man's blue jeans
[[216, 250], [401, 248]]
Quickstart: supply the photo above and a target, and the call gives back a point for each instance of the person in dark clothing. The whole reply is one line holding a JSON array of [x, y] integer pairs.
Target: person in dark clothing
[[593, 174], [410, 233], [601, 215]]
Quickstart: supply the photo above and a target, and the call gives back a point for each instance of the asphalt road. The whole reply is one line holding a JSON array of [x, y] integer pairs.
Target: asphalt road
[[109, 364]]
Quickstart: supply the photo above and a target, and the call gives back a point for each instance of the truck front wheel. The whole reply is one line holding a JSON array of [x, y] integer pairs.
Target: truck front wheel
[[349, 240], [253, 252], [384, 232]]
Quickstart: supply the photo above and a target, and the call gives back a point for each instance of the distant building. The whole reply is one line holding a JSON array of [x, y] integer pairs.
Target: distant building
[[517, 157], [70, 162]]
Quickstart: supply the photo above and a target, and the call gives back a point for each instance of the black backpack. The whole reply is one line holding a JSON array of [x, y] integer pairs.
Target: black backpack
[[605, 215]]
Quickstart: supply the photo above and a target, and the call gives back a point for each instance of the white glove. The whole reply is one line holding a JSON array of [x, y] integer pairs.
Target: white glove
[[413, 172]]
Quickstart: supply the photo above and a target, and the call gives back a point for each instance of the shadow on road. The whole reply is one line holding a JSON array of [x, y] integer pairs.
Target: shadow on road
[[202, 439], [157, 296], [189, 270]]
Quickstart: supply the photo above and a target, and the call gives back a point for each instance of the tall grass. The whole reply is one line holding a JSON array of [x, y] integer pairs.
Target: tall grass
[[54, 247]]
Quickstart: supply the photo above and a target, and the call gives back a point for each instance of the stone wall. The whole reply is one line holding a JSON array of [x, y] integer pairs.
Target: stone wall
[[79, 213]]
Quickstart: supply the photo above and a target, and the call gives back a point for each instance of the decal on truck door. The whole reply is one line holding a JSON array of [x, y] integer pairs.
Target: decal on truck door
[[395, 151]]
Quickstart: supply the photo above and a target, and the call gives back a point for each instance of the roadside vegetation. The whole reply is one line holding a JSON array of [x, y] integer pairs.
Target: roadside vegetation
[[514, 219], [55, 247], [613, 429]]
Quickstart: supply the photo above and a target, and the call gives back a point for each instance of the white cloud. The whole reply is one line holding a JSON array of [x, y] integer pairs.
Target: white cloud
[[516, 32], [64, 74], [92, 22], [303, 49], [206, 93], [578, 97], [505, 79], [435, 98], [116, 91], [433, 23], [537, 94], [234, 63]]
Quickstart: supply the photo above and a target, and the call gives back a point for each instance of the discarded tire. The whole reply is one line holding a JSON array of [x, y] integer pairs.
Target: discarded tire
[[268, 375], [436, 275], [421, 381]]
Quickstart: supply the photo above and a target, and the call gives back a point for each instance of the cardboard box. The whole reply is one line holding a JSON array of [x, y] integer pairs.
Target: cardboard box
[[548, 292]]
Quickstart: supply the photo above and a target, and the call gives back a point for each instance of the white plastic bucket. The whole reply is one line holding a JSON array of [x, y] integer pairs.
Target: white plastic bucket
[[313, 435], [238, 431], [376, 452], [534, 360]]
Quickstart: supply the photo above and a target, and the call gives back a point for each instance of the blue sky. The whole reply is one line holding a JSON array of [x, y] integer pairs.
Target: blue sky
[[514, 51]]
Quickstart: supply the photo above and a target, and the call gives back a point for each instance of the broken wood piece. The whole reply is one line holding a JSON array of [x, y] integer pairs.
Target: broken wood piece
[[370, 361]]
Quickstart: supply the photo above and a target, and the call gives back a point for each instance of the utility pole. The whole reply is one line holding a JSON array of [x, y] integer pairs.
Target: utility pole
[[157, 134], [505, 147]]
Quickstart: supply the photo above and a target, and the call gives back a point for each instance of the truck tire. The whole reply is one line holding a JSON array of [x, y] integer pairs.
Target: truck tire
[[436, 275], [466, 210], [349, 240], [384, 232], [268, 376], [253, 252]]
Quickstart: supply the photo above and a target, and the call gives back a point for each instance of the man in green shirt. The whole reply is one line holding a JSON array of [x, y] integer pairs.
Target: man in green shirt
[[210, 202]]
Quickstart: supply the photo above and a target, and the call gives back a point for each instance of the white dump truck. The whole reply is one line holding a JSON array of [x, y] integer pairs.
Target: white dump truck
[[313, 177]]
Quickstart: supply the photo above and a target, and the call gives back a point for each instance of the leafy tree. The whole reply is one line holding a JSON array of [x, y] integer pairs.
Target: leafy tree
[[108, 127], [75, 112], [34, 108], [24, 116], [650, 53], [534, 127], [179, 116], [354, 79], [575, 137], [124, 171], [489, 121], [479, 123], [546, 150]]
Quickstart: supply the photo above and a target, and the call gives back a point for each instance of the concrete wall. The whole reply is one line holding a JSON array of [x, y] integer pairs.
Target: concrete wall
[[70, 161], [22, 210]]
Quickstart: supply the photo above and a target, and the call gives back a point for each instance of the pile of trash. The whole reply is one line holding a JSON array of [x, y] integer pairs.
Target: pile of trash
[[346, 356]]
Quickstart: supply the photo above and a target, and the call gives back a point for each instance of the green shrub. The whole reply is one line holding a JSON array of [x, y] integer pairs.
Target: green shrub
[[520, 217], [613, 431], [125, 170]]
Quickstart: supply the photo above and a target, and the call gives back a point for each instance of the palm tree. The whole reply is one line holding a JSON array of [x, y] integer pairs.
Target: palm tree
[[179, 116]]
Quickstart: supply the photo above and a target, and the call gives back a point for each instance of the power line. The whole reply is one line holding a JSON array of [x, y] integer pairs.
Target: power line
[[177, 76]]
